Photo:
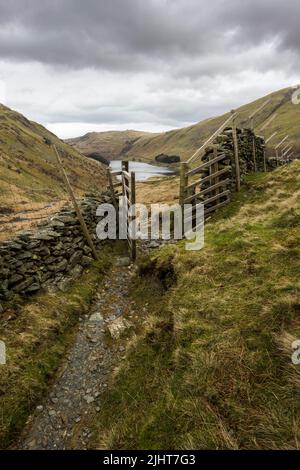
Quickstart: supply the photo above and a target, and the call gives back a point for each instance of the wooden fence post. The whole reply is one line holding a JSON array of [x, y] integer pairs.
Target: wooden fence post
[[133, 215], [112, 189], [183, 182], [265, 159], [254, 152], [253, 138], [75, 205], [214, 169], [236, 155], [124, 167]]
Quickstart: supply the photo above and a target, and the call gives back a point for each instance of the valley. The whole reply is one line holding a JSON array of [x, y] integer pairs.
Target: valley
[[180, 349], [184, 142], [31, 184]]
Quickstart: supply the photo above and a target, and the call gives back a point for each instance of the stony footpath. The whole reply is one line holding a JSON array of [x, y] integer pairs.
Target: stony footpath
[[99, 346]]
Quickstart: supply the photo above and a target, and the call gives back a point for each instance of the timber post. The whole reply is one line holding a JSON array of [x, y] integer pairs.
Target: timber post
[[236, 154], [183, 182], [112, 189], [133, 214], [75, 205]]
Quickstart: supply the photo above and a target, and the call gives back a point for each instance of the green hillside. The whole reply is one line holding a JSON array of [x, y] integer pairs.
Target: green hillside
[[212, 368], [110, 145], [29, 174], [184, 142]]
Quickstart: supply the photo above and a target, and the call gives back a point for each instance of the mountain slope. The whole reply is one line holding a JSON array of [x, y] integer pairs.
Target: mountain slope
[[109, 145], [29, 174], [185, 141]]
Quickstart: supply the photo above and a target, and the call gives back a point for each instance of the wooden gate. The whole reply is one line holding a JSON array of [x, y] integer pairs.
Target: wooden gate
[[207, 184], [124, 188], [212, 182]]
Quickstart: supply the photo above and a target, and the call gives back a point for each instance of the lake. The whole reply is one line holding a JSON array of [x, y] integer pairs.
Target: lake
[[143, 171]]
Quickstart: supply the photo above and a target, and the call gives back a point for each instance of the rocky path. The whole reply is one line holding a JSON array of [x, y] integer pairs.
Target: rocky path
[[100, 343]]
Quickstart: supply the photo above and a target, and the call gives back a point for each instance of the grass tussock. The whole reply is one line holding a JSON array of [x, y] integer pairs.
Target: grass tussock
[[37, 335], [212, 368]]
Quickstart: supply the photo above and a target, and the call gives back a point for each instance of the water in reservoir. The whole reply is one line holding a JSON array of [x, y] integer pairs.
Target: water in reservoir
[[143, 171]]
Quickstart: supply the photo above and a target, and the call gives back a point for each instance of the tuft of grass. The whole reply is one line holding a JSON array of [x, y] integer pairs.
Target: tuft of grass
[[212, 368], [37, 335], [289, 218]]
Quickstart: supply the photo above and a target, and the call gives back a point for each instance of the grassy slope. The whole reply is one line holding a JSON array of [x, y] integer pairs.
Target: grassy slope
[[185, 141], [26, 162], [37, 335], [213, 369], [109, 145]]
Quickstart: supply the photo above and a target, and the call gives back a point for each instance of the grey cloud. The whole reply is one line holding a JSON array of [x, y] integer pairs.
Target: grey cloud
[[172, 54], [136, 34]]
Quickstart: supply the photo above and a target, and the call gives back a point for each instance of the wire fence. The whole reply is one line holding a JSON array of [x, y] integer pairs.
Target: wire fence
[[30, 195], [27, 208], [33, 184]]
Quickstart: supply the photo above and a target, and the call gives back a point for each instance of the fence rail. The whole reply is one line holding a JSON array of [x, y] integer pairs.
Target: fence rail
[[212, 188], [201, 150], [125, 189]]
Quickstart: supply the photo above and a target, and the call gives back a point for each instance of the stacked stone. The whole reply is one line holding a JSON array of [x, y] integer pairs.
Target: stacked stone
[[245, 139], [224, 144], [34, 260], [260, 152]]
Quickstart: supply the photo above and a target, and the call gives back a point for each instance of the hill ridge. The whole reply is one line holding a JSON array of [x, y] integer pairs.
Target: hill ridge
[[184, 141], [29, 174]]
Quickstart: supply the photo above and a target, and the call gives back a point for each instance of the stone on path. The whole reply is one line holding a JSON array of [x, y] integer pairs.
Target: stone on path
[[154, 244], [123, 262], [89, 399], [117, 327], [96, 317]]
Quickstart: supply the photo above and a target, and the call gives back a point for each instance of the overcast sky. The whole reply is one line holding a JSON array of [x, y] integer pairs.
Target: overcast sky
[[86, 65]]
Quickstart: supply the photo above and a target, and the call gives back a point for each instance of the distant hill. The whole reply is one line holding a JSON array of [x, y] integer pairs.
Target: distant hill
[[184, 142], [110, 145], [29, 174]]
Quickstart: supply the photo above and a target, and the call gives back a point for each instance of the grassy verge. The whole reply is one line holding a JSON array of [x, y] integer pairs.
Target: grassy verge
[[37, 335], [212, 368]]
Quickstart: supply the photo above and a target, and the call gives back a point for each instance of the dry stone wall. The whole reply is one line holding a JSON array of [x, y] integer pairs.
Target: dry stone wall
[[245, 138], [53, 254], [225, 145]]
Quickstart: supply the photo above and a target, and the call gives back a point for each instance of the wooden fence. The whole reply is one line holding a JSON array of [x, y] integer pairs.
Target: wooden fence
[[212, 190], [126, 190], [211, 182]]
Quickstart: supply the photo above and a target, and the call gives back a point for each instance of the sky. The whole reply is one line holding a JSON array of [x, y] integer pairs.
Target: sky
[[79, 66]]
